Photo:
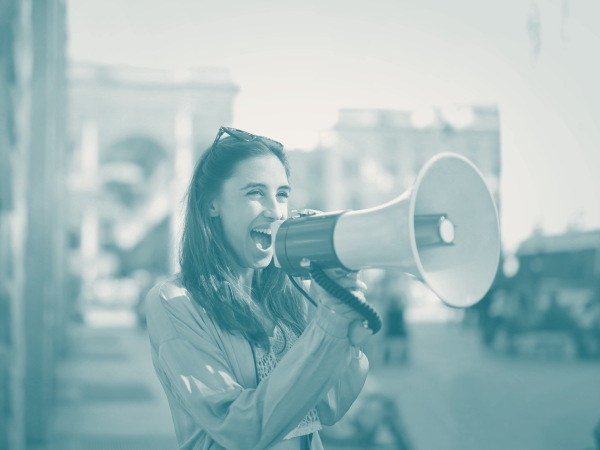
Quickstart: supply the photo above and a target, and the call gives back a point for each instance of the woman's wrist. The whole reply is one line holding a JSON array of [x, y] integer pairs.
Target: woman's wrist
[[333, 323], [338, 325]]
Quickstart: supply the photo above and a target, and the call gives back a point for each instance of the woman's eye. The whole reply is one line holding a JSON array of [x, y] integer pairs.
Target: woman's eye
[[254, 193], [283, 194]]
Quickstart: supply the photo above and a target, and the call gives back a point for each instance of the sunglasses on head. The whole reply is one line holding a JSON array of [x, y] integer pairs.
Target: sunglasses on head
[[241, 136]]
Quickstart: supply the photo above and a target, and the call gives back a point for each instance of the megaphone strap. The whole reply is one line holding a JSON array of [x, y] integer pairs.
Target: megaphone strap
[[302, 291]]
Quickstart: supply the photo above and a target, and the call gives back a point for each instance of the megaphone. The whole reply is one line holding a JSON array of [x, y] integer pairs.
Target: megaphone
[[444, 231]]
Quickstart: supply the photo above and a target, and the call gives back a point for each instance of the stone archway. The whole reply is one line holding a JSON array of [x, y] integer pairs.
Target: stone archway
[[135, 175]]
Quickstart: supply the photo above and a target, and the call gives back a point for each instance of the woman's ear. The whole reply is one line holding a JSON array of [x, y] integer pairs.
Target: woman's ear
[[214, 209]]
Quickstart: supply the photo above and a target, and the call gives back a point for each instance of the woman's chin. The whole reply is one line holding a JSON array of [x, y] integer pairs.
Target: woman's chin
[[264, 262], [260, 258]]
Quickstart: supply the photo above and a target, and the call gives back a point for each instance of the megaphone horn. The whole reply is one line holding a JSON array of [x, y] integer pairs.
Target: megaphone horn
[[444, 231]]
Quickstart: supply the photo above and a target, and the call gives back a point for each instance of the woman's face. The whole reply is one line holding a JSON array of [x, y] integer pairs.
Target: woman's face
[[250, 201]]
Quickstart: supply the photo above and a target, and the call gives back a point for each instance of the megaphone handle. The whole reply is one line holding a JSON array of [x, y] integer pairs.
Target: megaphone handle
[[360, 306]]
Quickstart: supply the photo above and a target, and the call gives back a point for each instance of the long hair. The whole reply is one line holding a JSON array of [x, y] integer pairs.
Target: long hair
[[206, 270]]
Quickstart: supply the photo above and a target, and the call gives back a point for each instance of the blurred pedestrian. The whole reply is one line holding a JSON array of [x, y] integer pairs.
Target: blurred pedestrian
[[374, 419], [492, 317], [395, 336], [381, 412], [396, 345], [233, 343]]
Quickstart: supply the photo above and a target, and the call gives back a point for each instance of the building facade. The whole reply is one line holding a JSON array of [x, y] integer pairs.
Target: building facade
[[375, 155], [136, 135], [380, 153]]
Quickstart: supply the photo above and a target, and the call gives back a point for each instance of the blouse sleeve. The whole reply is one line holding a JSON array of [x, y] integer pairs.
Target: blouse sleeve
[[338, 400], [342, 395], [238, 418]]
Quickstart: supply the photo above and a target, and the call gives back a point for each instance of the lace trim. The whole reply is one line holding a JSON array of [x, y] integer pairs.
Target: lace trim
[[283, 339]]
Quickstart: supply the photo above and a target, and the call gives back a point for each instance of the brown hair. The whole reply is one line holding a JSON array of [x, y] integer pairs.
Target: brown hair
[[206, 271]]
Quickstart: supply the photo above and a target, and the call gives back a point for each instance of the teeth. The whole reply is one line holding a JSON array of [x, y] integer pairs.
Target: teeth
[[263, 230]]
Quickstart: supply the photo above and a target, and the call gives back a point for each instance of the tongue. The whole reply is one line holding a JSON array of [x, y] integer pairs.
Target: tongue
[[261, 238]]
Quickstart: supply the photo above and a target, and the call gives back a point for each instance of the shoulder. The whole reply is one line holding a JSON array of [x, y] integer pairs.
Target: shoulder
[[166, 291], [171, 288], [171, 312]]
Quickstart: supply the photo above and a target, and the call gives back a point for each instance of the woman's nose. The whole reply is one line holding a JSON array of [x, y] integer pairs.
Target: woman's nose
[[272, 210]]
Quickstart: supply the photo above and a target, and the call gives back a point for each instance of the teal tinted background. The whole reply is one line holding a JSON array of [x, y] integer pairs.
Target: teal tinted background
[[105, 107]]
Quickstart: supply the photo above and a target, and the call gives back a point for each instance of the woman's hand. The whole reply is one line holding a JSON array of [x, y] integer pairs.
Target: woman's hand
[[357, 332]]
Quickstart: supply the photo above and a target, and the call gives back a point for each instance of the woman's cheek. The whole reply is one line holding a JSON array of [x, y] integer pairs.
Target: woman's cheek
[[254, 210]]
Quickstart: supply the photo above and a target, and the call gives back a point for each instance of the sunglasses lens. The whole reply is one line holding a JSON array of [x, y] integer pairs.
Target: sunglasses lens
[[239, 134], [273, 141], [247, 137]]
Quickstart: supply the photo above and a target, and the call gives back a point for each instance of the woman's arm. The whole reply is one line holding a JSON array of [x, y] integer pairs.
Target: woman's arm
[[342, 395], [202, 381]]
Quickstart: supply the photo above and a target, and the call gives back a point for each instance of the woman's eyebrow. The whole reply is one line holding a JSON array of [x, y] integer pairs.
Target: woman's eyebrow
[[262, 185]]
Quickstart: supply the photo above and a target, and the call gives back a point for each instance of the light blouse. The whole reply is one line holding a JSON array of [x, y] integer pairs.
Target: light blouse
[[210, 376], [282, 340]]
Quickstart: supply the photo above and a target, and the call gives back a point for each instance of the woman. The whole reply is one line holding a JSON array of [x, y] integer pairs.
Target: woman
[[245, 362]]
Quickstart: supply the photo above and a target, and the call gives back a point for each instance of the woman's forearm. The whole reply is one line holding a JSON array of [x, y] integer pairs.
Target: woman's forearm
[[342, 395]]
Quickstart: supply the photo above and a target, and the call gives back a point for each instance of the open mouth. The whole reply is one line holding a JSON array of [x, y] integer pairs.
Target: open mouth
[[261, 237]]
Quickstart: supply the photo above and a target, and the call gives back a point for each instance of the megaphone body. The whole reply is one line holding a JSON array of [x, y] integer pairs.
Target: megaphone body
[[444, 231]]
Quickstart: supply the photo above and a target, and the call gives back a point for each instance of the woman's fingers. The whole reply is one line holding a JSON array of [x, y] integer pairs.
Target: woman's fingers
[[338, 272], [349, 280], [352, 284], [358, 333]]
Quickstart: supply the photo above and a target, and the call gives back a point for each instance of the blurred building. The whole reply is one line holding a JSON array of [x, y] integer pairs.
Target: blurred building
[[308, 171], [136, 135], [372, 156], [573, 257], [565, 270], [32, 237], [551, 305], [386, 149]]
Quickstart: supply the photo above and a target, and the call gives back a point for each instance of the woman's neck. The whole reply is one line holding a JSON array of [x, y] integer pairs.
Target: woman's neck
[[245, 276]]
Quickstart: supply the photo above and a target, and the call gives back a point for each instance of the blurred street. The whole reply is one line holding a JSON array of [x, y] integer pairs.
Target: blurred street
[[455, 395], [452, 395], [108, 396]]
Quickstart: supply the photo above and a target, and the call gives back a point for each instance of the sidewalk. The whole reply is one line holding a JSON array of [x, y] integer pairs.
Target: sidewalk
[[108, 396], [452, 394]]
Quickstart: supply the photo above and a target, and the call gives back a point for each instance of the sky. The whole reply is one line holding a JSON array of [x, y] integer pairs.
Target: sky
[[298, 63]]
